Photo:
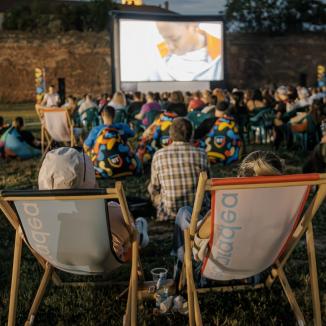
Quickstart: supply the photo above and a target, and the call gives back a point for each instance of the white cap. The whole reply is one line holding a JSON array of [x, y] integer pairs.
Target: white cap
[[66, 168]]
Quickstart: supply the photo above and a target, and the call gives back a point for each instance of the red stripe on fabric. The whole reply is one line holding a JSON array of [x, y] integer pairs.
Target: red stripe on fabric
[[297, 220], [211, 239], [265, 179]]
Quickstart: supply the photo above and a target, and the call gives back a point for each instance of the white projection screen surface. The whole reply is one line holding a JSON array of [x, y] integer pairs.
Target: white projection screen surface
[[163, 51]]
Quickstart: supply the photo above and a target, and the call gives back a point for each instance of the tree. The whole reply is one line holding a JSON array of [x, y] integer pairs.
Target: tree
[[39, 14], [274, 15]]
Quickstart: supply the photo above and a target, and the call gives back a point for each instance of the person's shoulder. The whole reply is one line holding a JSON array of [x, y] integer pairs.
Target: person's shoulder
[[162, 151], [200, 151], [121, 126], [97, 129], [161, 154]]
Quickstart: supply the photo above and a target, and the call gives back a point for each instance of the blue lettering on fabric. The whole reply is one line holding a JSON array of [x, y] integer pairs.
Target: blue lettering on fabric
[[227, 230]]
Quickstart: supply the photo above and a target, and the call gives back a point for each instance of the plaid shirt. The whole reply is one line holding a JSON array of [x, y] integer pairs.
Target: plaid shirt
[[174, 177]]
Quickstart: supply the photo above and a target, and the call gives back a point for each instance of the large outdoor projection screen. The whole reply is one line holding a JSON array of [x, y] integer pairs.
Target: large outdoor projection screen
[[171, 49]]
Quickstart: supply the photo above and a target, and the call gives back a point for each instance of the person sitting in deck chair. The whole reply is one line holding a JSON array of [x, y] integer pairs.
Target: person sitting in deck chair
[[67, 168], [258, 163]]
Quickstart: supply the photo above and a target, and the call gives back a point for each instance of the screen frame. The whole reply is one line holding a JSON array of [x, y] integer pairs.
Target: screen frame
[[116, 16]]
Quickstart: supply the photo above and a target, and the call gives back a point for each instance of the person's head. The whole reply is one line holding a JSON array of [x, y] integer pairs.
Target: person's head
[[181, 38], [165, 96], [138, 96], [176, 97], [89, 97], [261, 163], [107, 114], [51, 89], [257, 96], [213, 100], [281, 93], [119, 99], [221, 109], [303, 93], [181, 130], [236, 98], [176, 107], [1, 121], [150, 97], [66, 168], [71, 99], [197, 95], [18, 123], [220, 95], [206, 97], [248, 94]]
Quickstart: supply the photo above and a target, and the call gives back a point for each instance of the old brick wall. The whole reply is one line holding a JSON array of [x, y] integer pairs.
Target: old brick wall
[[83, 59]]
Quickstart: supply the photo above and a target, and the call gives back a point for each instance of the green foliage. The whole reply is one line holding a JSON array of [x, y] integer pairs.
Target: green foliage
[[274, 15], [43, 15]]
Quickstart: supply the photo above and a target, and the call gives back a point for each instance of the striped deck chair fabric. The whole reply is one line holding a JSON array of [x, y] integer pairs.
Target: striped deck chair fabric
[[69, 230], [255, 224]]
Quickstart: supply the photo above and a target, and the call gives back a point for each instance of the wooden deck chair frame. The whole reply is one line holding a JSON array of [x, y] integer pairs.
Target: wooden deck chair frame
[[49, 272], [304, 227], [45, 135]]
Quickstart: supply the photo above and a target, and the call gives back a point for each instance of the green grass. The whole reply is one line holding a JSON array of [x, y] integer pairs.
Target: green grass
[[24, 110], [98, 306]]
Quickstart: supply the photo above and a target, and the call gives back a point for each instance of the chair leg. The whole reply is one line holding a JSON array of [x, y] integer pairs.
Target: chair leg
[[182, 279], [198, 318], [39, 294], [126, 321], [42, 139], [290, 296], [15, 279], [188, 267], [134, 287], [313, 275], [140, 271]]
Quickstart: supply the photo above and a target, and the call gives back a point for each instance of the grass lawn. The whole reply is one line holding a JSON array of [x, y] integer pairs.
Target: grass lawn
[[25, 110], [98, 306]]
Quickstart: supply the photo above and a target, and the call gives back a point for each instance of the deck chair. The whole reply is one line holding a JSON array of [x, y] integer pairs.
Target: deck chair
[[52, 224], [256, 223], [56, 125]]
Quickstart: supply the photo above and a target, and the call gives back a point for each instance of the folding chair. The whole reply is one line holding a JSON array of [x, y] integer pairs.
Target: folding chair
[[68, 230], [256, 223], [56, 125]]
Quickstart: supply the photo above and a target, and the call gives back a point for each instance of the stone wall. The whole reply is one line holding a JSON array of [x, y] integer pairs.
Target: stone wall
[[256, 60], [83, 59]]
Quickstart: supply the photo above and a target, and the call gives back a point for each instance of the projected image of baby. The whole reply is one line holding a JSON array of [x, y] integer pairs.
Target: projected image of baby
[[187, 53]]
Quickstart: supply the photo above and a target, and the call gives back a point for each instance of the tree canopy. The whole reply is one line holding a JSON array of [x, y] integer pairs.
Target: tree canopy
[[58, 15], [275, 15]]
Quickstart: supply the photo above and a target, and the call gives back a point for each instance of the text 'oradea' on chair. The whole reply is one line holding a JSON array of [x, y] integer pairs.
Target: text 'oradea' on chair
[[68, 230], [256, 223]]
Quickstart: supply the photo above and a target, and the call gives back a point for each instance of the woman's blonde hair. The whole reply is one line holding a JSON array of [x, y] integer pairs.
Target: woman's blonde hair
[[261, 163], [119, 98]]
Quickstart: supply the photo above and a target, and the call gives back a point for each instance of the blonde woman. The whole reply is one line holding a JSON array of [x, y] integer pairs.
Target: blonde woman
[[118, 101], [258, 163]]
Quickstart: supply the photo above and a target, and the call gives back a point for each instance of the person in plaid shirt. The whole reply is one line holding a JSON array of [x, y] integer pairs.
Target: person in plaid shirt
[[175, 172]]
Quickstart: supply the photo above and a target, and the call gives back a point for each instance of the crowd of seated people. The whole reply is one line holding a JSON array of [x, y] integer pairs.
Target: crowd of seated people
[[178, 148], [224, 122]]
